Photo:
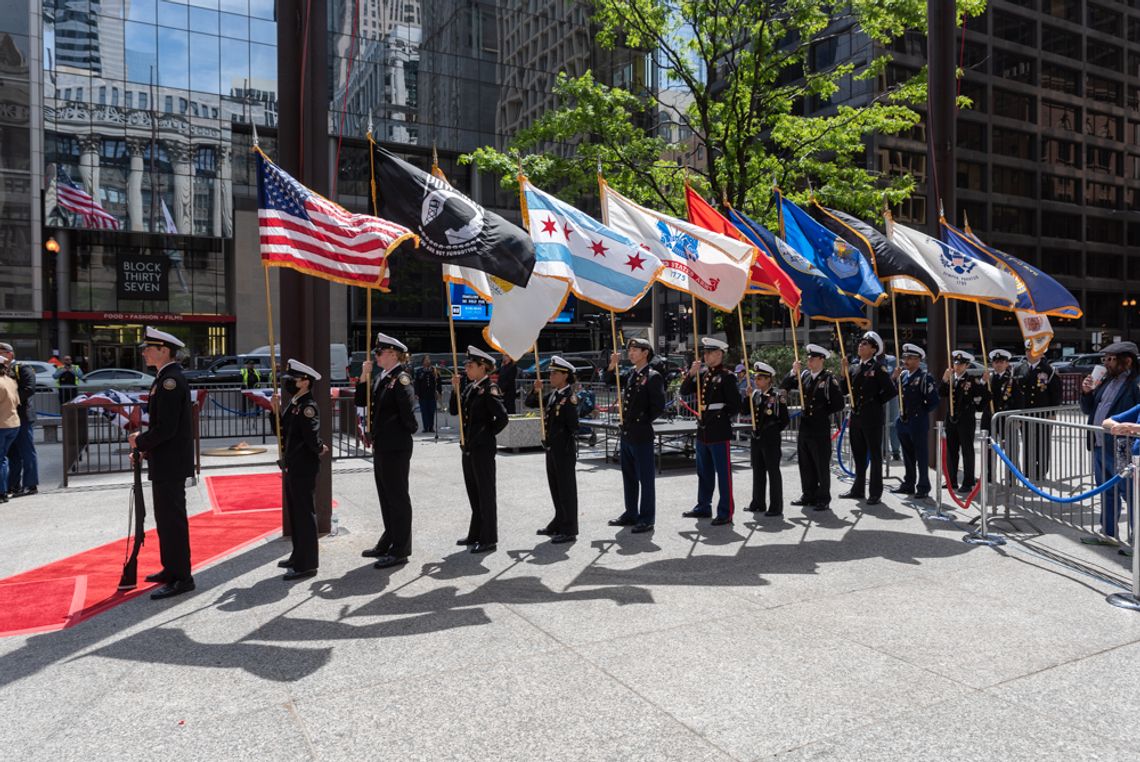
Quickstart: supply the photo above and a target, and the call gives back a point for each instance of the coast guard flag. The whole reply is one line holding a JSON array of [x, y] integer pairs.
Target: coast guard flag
[[712, 267], [1037, 292], [959, 276], [835, 257], [820, 298]]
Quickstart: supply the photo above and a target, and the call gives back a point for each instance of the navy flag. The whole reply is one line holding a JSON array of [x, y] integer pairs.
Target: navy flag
[[452, 229]]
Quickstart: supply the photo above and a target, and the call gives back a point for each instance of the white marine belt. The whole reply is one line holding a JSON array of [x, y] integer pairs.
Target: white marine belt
[[714, 406]]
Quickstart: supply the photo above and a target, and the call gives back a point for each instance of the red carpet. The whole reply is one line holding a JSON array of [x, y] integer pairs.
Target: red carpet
[[73, 589], [244, 492]]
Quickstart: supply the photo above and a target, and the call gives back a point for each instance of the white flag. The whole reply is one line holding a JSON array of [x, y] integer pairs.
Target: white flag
[[1035, 329], [959, 276], [712, 267]]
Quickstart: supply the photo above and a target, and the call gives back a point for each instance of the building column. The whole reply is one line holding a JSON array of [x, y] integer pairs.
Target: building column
[[222, 206], [137, 150], [183, 211], [90, 148]]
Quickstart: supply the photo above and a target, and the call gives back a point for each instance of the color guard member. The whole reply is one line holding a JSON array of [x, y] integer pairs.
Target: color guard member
[[919, 399], [301, 462], [871, 388], [771, 419], [719, 403], [561, 418], [643, 400], [1040, 388], [969, 395], [822, 399]]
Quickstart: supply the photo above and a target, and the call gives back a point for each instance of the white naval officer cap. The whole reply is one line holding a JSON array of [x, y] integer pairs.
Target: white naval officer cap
[[475, 354], [764, 368], [961, 356], [913, 350], [1000, 354], [296, 366], [157, 338], [873, 338], [384, 341], [815, 350], [710, 343], [557, 363]]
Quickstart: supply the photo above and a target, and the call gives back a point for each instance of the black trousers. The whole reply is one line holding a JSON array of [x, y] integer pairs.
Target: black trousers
[[173, 527], [300, 490], [813, 448], [766, 454], [867, 449], [563, 483], [960, 443], [1038, 449], [479, 476], [390, 470]]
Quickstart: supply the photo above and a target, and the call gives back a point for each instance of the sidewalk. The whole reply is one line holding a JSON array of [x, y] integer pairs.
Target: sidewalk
[[863, 634]]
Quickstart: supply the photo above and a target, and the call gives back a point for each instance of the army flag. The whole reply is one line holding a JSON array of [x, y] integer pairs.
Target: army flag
[[766, 277], [1037, 292], [452, 229], [888, 260], [959, 276], [712, 267], [820, 298], [836, 258]]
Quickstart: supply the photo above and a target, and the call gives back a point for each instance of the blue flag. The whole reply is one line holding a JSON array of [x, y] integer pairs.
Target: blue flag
[[820, 297], [1036, 291], [838, 260]]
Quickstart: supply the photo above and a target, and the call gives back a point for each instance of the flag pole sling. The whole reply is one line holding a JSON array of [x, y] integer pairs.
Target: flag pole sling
[[846, 370], [540, 395], [697, 357], [747, 369], [949, 353], [985, 355], [796, 352], [272, 358], [898, 347], [454, 362]]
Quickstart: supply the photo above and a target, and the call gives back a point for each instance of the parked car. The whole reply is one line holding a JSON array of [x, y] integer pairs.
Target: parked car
[[584, 369], [227, 370], [45, 372], [338, 360], [1078, 363], [119, 379]]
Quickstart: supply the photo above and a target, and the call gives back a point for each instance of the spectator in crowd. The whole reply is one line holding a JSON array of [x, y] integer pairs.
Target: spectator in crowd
[[742, 385], [508, 377], [9, 421], [893, 412], [23, 470], [250, 379], [1102, 400], [67, 378], [428, 387]]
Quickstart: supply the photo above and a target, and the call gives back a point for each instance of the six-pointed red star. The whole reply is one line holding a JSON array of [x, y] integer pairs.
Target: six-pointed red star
[[598, 249], [549, 226], [634, 262], [567, 230]]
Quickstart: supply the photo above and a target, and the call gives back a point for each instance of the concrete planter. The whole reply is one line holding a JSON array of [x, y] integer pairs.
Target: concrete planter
[[522, 432]]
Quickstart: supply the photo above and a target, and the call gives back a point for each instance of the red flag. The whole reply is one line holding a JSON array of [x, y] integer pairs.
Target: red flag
[[766, 276]]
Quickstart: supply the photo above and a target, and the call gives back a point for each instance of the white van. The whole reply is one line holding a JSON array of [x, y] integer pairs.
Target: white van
[[338, 360]]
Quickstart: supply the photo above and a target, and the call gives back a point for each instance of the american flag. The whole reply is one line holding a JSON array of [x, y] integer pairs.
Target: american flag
[[305, 231], [79, 202]]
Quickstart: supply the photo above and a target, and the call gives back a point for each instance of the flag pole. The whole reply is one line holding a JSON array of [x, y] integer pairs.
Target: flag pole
[[368, 291], [541, 402], [697, 356], [796, 351], [985, 356], [898, 347], [846, 370], [272, 358], [613, 320], [747, 369], [791, 312], [949, 353]]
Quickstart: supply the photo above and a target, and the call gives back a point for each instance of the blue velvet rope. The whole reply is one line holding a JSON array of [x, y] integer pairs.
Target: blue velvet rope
[[839, 449], [238, 413], [1055, 498]]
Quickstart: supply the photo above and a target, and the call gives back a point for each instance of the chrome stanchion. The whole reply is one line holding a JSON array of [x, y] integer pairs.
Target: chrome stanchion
[[1131, 599], [936, 514], [982, 535]]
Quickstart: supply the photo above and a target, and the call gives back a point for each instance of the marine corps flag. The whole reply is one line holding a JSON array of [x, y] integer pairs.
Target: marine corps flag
[[452, 229]]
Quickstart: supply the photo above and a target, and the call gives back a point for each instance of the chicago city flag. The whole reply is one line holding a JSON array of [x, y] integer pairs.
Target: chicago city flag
[[712, 267]]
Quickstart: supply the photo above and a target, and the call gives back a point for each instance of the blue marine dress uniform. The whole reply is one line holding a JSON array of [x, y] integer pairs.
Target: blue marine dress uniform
[[1040, 388], [484, 416], [168, 445], [561, 421], [771, 419], [822, 399], [301, 462], [919, 399], [871, 388], [719, 404], [969, 396], [390, 429], [642, 401]]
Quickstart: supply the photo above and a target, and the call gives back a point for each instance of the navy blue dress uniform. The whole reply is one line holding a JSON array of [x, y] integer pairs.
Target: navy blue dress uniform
[[719, 403], [483, 417], [919, 399], [391, 427], [771, 419], [871, 388], [822, 399], [642, 401], [1005, 394], [969, 396], [1040, 388], [301, 447], [561, 419], [168, 445]]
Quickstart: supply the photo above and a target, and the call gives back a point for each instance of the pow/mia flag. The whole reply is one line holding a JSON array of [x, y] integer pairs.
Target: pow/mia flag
[[453, 229]]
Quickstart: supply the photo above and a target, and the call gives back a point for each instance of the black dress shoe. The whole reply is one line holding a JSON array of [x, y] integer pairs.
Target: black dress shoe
[[25, 491], [373, 552], [967, 487], [821, 507], [695, 514], [286, 564], [546, 532], [559, 539], [801, 501], [465, 541], [771, 512], [621, 521], [387, 562], [482, 547], [756, 509], [921, 495], [641, 528], [289, 577], [720, 521], [902, 491], [171, 589], [852, 495], [161, 576], [873, 501]]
